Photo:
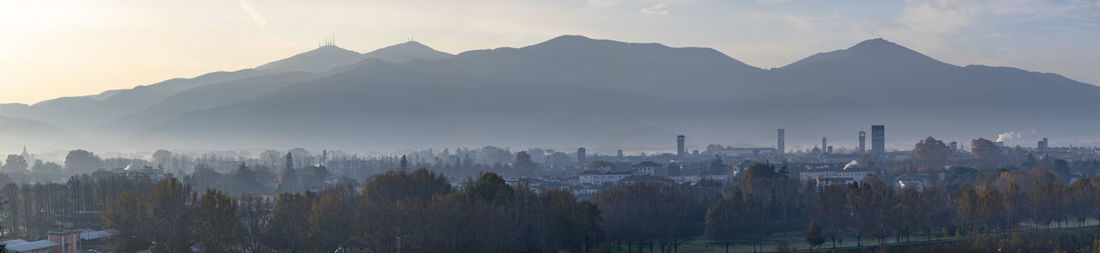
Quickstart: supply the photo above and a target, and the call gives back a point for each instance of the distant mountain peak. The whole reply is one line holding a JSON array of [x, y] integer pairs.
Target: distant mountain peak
[[576, 40], [317, 60], [880, 45], [570, 37], [868, 53], [406, 51], [876, 42]]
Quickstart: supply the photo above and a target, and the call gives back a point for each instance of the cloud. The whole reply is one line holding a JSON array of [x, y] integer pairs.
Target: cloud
[[656, 9], [1006, 136], [939, 16], [603, 3], [248, 9]]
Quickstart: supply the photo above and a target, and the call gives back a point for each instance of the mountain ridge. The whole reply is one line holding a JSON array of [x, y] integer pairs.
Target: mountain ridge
[[574, 90]]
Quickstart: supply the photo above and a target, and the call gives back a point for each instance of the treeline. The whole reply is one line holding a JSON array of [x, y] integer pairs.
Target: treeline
[[30, 210], [421, 211], [396, 212], [767, 202]]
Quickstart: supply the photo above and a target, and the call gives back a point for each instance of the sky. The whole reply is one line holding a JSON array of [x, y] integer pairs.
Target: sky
[[57, 48]]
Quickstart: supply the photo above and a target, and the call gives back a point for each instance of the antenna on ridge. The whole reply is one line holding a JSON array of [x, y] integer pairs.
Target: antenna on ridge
[[329, 41]]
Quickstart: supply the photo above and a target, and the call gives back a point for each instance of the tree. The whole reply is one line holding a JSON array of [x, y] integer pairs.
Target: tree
[[331, 220], [289, 228], [523, 164], [717, 166], [833, 212], [404, 164], [171, 214], [161, 158], [255, 214], [397, 185], [757, 179], [81, 161], [15, 164], [271, 159], [814, 235], [722, 221], [127, 215], [217, 228], [646, 213], [572, 225], [489, 187]]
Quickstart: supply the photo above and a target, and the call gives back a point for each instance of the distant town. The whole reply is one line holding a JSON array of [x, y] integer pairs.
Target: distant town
[[78, 222]]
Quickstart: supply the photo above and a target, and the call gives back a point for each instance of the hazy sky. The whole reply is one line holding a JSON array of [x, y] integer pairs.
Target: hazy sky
[[54, 48]]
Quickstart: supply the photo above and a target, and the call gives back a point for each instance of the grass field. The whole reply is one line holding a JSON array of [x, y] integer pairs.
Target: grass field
[[796, 241]]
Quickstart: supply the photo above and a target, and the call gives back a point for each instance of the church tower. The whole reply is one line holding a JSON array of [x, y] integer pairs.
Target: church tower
[[288, 180]]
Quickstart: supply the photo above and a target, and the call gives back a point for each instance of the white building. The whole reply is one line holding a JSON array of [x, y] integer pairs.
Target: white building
[[598, 178], [832, 177], [21, 246]]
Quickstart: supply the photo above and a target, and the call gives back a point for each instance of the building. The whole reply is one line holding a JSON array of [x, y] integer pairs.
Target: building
[[878, 139], [68, 241], [954, 147], [600, 178], [27, 157], [620, 155], [647, 168], [96, 239], [21, 246], [288, 179], [832, 177], [781, 145], [680, 147], [580, 156], [743, 152], [824, 144], [862, 142], [1044, 145]]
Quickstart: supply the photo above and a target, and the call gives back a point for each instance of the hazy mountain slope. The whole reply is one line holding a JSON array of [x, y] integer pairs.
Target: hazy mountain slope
[[609, 91], [104, 95], [86, 113], [206, 97], [405, 52], [318, 60], [573, 90], [877, 81], [221, 94], [18, 131]]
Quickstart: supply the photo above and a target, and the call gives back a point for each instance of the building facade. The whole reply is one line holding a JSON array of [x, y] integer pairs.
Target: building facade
[[878, 139], [781, 145]]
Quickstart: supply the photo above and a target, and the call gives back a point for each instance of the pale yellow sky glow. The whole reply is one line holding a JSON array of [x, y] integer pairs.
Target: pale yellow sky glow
[[55, 48]]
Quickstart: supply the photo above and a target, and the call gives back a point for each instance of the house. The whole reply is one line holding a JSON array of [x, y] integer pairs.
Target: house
[[68, 241], [647, 168], [21, 246]]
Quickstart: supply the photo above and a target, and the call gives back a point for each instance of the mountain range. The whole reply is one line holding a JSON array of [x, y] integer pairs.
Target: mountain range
[[567, 92]]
